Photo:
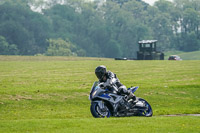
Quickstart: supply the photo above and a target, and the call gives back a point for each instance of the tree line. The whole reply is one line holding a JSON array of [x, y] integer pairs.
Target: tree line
[[97, 29]]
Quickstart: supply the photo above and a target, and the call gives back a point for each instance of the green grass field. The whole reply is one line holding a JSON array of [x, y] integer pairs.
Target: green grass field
[[50, 94]]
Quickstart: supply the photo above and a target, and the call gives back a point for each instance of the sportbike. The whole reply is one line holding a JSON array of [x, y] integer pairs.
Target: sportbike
[[105, 103]]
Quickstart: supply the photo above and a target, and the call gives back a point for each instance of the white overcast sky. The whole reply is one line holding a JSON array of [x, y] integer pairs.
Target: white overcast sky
[[151, 1]]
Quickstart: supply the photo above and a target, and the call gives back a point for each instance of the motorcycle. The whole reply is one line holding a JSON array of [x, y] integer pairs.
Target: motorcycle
[[105, 103]]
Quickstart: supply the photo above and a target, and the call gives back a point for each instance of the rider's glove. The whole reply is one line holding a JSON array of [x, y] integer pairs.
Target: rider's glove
[[105, 84]]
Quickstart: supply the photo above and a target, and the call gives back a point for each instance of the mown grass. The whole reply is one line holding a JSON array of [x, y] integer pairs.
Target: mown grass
[[112, 125], [50, 94]]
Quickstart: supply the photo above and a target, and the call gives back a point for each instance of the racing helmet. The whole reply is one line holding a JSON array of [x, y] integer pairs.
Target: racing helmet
[[100, 71]]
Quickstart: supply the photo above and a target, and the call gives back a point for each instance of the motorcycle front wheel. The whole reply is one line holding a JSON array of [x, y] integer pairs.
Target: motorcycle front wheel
[[99, 113]]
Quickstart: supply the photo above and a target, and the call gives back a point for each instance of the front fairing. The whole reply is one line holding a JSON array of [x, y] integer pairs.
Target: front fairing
[[98, 92], [94, 85], [95, 90]]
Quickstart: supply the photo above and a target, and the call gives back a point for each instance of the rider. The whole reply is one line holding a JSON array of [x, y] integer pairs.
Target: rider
[[106, 78]]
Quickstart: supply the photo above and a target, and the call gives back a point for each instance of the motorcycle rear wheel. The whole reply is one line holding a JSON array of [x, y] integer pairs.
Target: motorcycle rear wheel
[[98, 113], [149, 111]]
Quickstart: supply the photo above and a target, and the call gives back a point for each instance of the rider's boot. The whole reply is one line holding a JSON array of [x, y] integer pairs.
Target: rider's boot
[[131, 96]]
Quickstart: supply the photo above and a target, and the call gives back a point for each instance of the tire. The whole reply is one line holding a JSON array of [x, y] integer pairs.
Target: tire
[[97, 112], [149, 111]]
